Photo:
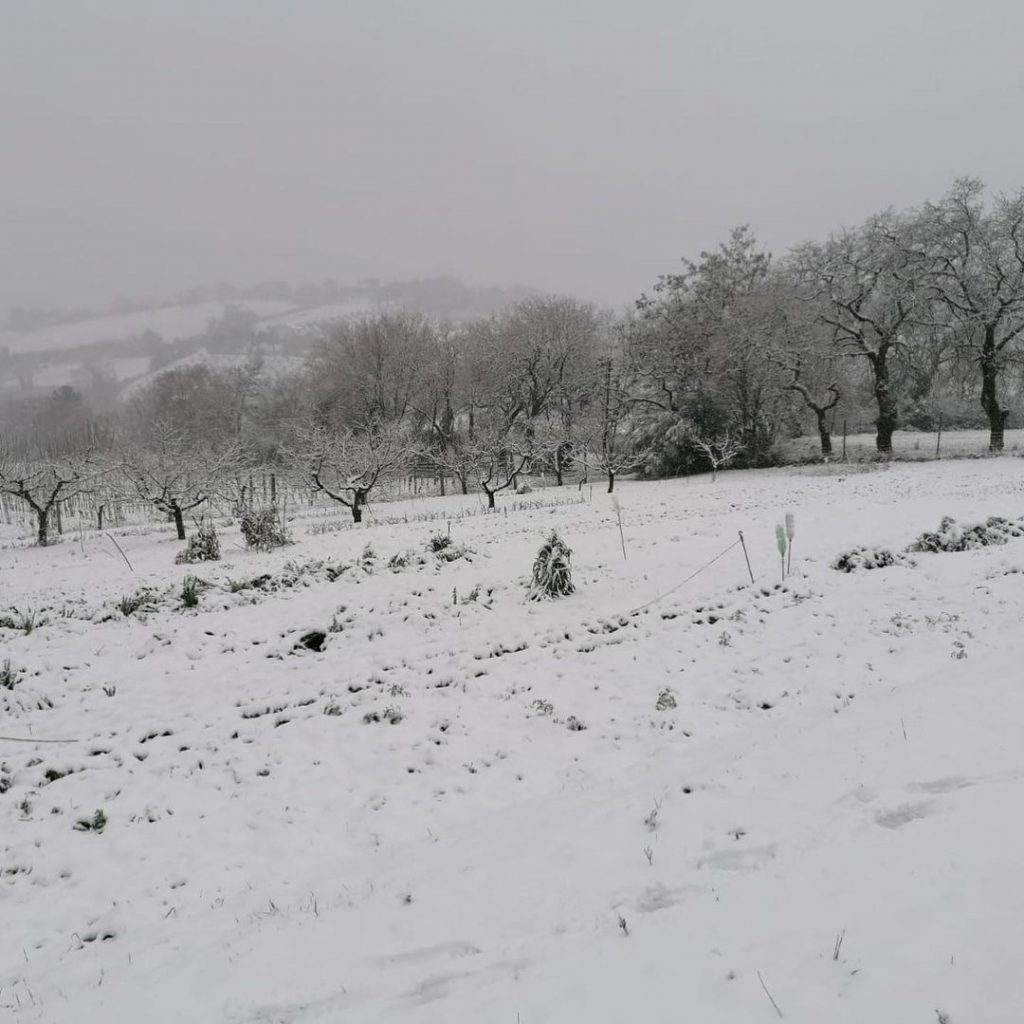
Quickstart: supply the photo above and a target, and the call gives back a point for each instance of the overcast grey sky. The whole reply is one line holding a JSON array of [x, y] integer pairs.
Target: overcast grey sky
[[579, 145]]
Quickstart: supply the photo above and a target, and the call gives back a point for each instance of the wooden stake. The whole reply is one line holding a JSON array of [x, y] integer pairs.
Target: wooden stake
[[746, 556]]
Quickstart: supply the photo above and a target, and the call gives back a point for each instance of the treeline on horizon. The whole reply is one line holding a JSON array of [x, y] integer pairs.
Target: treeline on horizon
[[911, 318]]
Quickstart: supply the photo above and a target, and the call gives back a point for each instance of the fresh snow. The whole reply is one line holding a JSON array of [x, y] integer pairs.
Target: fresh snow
[[801, 792]]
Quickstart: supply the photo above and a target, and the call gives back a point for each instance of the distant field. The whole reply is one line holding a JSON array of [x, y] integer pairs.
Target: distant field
[[171, 323], [905, 444]]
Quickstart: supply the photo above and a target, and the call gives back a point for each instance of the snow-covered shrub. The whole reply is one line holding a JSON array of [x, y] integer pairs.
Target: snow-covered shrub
[[439, 542], [142, 600], [191, 587], [952, 536], [263, 529], [868, 558], [454, 552], [203, 546], [552, 573]]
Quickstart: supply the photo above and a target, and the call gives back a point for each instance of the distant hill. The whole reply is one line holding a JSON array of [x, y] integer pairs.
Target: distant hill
[[274, 319], [172, 323]]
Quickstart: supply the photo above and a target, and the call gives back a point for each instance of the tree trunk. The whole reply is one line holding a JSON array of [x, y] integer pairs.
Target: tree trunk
[[490, 497], [179, 522], [888, 418], [464, 483], [611, 480], [43, 533], [989, 400], [824, 433], [99, 517], [358, 500]]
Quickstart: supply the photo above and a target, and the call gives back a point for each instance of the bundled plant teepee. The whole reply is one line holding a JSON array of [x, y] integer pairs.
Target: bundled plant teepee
[[552, 573]]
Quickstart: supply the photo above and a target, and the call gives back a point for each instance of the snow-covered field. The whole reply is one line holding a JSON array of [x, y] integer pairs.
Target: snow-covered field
[[731, 804], [172, 323], [906, 444]]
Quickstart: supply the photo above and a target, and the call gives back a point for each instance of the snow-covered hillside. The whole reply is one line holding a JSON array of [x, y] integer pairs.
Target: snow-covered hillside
[[172, 323], [657, 800]]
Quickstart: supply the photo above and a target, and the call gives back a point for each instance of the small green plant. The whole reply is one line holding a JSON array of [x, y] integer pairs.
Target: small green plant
[[97, 823], [666, 700], [552, 571], [9, 677], [23, 621], [190, 590], [131, 603]]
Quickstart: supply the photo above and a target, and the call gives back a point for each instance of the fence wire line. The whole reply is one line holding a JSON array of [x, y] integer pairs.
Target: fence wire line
[[661, 597], [32, 739]]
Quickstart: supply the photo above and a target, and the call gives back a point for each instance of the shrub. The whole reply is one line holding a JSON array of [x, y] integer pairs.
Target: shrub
[[25, 621], [263, 530], [142, 600], [439, 542], [951, 536], [203, 546], [190, 590], [9, 677], [552, 572], [868, 558]]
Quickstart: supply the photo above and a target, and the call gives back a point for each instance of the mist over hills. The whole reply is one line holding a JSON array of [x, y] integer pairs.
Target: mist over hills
[[42, 349]]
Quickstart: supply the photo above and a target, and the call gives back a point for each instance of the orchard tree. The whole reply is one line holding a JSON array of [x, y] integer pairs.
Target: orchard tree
[[870, 287], [606, 426], [44, 482], [347, 464], [801, 348], [176, 473], [976, 261], [496, 459]]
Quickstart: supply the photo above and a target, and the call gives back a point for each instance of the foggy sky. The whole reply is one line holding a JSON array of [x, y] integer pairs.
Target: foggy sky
[[147, 146]]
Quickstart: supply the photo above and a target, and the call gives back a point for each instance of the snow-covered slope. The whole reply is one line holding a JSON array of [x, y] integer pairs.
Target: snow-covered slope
[[471, 807], [172, 323]]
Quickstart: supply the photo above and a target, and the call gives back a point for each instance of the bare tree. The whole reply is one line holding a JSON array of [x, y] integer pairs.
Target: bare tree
[[606, 427], [369, 369], [976, 260], [346, 465], [496, 459], [871, 290], [44, 483], [175, 473], [719, 451], [820, 401]]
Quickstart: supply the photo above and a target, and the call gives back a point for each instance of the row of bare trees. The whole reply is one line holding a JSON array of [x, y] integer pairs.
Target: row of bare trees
[[913, 310], [911, 315]]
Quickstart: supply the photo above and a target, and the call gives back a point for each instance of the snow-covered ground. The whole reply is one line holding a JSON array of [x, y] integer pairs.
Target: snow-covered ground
[[470, 807]]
